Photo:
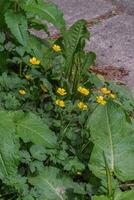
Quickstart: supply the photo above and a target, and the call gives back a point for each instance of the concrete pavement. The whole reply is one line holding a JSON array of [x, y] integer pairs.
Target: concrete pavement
[[113, 38]]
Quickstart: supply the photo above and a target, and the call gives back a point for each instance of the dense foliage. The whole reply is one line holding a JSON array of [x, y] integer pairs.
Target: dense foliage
[[65, 133]]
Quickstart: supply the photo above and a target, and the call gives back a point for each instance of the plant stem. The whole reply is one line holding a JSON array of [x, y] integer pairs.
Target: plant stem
[[20, 68], [109, 177]]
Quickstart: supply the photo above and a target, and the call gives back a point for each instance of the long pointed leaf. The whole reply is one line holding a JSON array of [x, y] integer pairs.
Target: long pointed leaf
[[114, 135], [51, 184], [17, 24], [9, 147], [46, 11], [32, 129]]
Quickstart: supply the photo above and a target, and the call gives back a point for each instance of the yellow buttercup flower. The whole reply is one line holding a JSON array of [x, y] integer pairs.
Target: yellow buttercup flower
[[60, 103], [56, 48], [100, 100], [113, 96], [82, 105], [105, 90], [22, 92], [61, 91], [83, 91], [34, 61]]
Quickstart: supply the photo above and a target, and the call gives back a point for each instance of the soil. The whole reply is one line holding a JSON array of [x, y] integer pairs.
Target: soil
[[111, 73]]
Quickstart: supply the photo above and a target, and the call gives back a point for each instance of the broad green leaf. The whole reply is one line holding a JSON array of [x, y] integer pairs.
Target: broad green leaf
[[32, 129], [38, 152], [17, 23], [74, 40], [37, 48], [46, 11], [128, 195], [51, 184], [102, 197], [4, 5], [113, 136], [9, 147]]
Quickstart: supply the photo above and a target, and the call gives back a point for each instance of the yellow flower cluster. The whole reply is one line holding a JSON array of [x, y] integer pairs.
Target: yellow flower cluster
[[60, 103], [56, 48], [34, 61], [82, 105], [101, 100], [61, 91], [83, 91], [108, 92], [22, 92]]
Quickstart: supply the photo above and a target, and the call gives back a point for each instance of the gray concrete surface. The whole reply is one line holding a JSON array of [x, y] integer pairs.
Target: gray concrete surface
[[112, 39], [127, 4], [113, 42], [77, 9]]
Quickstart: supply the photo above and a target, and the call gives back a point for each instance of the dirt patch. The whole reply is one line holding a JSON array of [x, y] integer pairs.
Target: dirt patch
[[111, 73], [99, 19]]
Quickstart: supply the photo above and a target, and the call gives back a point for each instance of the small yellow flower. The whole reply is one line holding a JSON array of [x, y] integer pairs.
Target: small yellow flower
[[61, 91], [100, 100], [79, 173], [105, 90], [83, 91], [22, 92], [60, 103], [82, 105], [27, 76], [56, 48], [113, 96], [34, 61]]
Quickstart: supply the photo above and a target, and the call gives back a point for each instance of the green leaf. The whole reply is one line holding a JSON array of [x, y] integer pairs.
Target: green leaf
[[38, 25], [3, 61], [4, 5], [74, 40], [17, 23], [73, 165], [38, 152], [89, 59], [32, 129], [36, 166], [112, 136], [51, 184], [128, 195], [46, 11], [2, 37], [9, 147], [100, 198], [36, 48], [1, 48]]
